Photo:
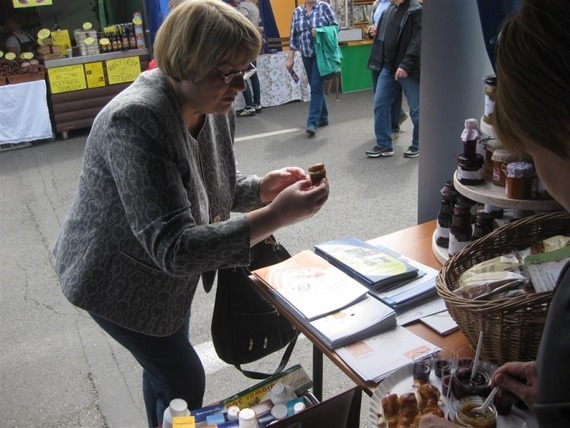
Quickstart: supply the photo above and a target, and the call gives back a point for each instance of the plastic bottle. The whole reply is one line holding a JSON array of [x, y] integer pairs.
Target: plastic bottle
[[178, 407], [247, 419]]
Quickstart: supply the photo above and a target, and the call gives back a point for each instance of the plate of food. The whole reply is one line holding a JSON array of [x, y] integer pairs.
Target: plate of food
[[399, 400]]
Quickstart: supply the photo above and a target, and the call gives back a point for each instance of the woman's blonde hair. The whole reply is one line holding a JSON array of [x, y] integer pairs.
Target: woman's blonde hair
[[199, 35], [533, 78]]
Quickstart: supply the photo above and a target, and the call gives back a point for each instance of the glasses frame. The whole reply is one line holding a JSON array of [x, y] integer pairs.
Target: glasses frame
[[245, 75]]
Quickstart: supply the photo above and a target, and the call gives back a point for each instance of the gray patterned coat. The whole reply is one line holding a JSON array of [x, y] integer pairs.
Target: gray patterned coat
[[152, 211]]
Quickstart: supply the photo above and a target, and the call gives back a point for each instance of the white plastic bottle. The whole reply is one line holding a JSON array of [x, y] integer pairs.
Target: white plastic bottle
[[247, 419], [178, 407]]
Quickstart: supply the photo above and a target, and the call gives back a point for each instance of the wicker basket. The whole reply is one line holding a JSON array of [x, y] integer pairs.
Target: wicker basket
[[511, 327], [26, 77], [2, 80]]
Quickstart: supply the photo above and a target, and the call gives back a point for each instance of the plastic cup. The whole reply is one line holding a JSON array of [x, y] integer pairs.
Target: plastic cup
[[422, 365]]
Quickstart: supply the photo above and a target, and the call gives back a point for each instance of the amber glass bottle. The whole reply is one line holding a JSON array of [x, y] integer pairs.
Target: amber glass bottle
[[460, 232]]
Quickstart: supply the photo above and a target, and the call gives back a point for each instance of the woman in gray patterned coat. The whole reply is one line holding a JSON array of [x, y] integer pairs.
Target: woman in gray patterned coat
[[159, 179]]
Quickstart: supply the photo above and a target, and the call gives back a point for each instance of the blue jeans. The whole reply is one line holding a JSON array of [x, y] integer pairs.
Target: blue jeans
[[171, 367], [397, 111], [252, 86], [318, 111], [386, 92]]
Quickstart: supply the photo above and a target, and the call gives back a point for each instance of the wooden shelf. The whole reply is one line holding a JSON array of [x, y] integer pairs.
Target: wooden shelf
[[490, 194]]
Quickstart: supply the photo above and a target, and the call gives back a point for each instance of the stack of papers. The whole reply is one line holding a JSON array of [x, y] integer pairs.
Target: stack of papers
[[334, 306]]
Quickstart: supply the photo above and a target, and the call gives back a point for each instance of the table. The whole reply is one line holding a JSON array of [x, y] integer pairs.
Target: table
[[24, 114], [277, 85], [415, 243]]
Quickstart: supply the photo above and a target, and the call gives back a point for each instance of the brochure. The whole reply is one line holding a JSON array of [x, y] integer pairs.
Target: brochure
[[375, 266], [311, 285]]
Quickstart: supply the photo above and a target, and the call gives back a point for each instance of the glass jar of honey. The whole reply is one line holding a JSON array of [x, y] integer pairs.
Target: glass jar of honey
[[518, 180], [490, 146], [467, 418], [501, 158]]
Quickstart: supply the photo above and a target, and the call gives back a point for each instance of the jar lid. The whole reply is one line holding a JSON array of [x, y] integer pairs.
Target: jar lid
[[519, 169], [503, 155], [470, 161]]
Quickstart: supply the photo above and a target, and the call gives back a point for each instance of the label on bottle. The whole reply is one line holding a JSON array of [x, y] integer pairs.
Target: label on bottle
[[462, 174], [489, 106], [442, 232], [455, 245]]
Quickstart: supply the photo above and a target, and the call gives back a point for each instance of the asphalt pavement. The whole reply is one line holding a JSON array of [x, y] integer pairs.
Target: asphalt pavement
[[59, 369]]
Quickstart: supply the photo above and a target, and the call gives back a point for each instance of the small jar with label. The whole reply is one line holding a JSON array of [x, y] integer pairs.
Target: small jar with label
[[490, 94], [470, 170], [518, 184], [461, 231], [470, 137], [501, 158], [490, 146]]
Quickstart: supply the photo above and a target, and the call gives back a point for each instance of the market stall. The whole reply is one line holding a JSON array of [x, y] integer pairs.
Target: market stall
[[80, 87], [88, 56]]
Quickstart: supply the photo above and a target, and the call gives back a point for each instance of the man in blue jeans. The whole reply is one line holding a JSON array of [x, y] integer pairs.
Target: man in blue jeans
[[396, 56]]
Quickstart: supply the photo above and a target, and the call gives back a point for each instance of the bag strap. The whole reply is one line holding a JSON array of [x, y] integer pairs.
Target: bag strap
[[279, 369]]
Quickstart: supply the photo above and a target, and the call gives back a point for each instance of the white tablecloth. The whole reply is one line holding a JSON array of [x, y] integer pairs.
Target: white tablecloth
[[277, 85], [24, 114]]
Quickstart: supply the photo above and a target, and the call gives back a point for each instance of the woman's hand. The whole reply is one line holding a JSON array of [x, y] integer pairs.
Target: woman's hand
[[275, 181], [299, 201], [520, 379], [433, 421]]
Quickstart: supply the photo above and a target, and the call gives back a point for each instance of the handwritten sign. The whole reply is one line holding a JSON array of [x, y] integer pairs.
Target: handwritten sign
[[94, 74], [30, 3], [61, 38], [122, 70], [66, 79]]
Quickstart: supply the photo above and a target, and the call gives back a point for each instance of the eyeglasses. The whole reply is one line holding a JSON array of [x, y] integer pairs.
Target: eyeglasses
[[246, 74]]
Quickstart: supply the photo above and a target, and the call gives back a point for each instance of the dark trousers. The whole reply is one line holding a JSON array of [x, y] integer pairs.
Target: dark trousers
[[171, 367], [252, 85]]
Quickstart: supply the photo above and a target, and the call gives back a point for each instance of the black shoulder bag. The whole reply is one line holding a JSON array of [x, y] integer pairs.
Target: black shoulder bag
[[245, 326]]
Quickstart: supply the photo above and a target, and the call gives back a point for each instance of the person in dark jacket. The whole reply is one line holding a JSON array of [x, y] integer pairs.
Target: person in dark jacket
[[396, 56], [532, 116]]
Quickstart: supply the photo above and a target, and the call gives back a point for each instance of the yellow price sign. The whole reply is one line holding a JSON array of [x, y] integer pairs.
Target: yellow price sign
[[94, 74], [89, 41], [104, 41], [30, 3], [1, 54], [137, 21], [61, 38], [44, 33], [26, 55], [10, 56], [123, 70], [67, 79], [87, 26]]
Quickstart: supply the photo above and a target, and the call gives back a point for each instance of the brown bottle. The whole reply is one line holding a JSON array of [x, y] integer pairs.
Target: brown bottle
[[483, 225], [460, 232]]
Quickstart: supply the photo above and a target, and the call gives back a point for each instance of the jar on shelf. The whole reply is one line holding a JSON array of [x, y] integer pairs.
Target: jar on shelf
[[518, 183], [470, 170], [460, 232], [490, 94], [501, 158], [490, 146], [484, 224], [470, 137]]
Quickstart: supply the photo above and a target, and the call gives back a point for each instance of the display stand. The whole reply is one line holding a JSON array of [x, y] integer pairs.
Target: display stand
[[81, 86], [492, 195]]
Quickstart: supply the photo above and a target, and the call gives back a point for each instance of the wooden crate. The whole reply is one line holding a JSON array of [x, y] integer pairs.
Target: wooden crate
[[26, 77]]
